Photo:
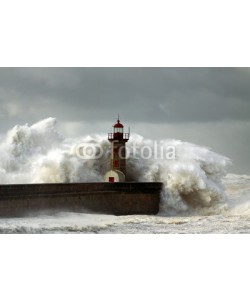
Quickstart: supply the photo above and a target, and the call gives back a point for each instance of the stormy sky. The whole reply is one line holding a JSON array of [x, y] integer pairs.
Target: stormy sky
[[206, 106]]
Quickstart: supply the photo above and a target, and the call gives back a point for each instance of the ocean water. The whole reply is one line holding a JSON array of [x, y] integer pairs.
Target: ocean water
[[232, 216], [198, 197]]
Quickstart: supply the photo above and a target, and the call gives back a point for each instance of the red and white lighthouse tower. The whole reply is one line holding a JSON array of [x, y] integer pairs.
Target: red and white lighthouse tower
[[118, 140]]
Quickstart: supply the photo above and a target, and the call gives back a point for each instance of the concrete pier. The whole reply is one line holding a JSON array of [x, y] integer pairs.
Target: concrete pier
[[120, 198]]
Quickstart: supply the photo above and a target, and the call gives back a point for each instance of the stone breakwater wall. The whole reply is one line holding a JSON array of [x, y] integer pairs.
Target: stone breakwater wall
[[121, 198]]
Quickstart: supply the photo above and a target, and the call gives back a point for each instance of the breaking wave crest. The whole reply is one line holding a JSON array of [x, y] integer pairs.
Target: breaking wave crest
[[40, 154]]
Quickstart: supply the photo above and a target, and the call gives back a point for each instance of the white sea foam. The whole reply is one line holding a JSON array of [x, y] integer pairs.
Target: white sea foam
[[238, 191], [40, 154]]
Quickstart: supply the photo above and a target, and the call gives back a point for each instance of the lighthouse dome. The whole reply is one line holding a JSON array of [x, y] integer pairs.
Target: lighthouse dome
[[118, 124]]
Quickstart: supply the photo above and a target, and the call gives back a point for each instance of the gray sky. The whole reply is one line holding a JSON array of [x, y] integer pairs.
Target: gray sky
[[206, 106]]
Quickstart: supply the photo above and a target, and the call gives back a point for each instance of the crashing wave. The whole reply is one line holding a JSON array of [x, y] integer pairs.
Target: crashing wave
[[40, 154]]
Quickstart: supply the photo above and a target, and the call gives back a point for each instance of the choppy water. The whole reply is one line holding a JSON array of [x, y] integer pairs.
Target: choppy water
[[233, 216]]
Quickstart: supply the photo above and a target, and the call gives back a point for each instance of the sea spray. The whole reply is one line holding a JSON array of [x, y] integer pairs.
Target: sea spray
[[40, 154], [192, 179]]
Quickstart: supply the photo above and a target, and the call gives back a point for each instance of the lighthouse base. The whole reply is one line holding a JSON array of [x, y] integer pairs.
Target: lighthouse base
[[120, 198]]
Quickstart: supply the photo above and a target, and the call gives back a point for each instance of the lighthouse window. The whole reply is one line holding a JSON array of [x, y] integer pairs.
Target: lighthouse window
[[119, 130]]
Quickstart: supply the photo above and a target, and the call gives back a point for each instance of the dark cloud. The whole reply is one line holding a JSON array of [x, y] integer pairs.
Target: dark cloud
[[153, 96]]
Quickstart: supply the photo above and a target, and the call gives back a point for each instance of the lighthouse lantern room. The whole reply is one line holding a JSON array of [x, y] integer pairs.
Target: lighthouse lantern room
[[118, 140]]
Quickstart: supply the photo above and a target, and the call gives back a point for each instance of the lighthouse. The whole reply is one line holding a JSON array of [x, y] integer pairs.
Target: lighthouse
[[118, 140]]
